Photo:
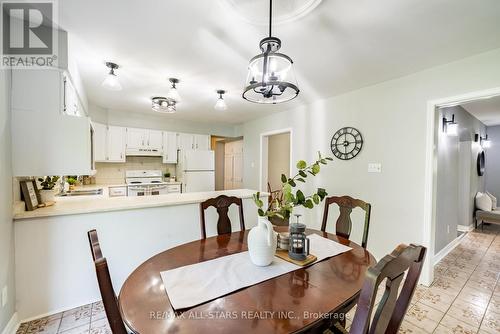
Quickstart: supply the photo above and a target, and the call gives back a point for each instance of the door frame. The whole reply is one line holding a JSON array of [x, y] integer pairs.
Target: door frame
[[430, 184], [264, 142]]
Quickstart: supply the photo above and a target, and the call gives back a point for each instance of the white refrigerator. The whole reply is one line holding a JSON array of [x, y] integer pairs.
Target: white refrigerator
[[195, 169]]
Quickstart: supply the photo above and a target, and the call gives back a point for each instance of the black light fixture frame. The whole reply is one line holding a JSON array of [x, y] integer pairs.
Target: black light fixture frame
[[221, 92], [447, 121], [174, 81], [478, 138], [270, 45]]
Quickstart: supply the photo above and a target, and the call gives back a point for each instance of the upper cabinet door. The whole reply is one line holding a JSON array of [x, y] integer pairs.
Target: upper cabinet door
[[202, 142], [169, 147], [155, 141], [99, 138], [136, 139], [185, 141], [116, 144]]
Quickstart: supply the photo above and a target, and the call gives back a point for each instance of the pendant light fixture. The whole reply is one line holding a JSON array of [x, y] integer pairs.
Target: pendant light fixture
[[221, 104], [271, 78], [163, 105], [111, 82], [173, 94]]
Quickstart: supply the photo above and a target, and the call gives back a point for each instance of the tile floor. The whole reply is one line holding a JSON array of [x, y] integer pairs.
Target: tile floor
[[464, 298]]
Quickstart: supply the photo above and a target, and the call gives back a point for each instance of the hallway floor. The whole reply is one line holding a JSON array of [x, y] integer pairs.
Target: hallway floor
[[464, 298]]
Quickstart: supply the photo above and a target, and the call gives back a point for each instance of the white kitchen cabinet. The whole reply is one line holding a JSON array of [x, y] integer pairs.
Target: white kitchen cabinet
[[185, 141], [201, 142], [144, 142], [135, 139], [189, 141], [100, 146], [233, 165], [116, 142], [169, 147], [174, 188], [45, 140], [70, 102], [155, 140]]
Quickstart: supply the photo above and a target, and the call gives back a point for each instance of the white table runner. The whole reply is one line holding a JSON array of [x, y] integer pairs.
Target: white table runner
[[201, 282]]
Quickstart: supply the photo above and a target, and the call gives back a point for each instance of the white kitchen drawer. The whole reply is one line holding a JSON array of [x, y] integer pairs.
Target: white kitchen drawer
[[117, 191], [174, 188]]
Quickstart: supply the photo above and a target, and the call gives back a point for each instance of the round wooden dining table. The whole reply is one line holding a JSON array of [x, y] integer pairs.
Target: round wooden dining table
[[297, 301]]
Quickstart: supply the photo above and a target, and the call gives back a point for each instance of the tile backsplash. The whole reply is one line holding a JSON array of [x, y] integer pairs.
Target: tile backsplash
[[114, 173]]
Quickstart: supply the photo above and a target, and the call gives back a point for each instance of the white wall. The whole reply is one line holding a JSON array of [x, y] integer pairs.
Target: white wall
[[392, 118], [456, 173], [6, 226], [493, 161], [159, 122]]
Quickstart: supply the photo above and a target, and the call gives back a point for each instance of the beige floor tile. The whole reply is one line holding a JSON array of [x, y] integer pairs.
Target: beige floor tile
[[409, 328], [491, 323], [457, 325], [467, 312], [424, 317], [75, 320], [45, 326], [437, 299], [85, 329], [474, 296], [100, 327]]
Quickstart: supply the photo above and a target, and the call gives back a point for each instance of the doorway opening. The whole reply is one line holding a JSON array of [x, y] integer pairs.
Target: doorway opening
[[276, 158], [228, 153], [451, 179]]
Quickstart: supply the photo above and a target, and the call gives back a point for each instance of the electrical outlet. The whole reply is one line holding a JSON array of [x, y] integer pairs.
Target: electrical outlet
[[374, 167], [5, 296]]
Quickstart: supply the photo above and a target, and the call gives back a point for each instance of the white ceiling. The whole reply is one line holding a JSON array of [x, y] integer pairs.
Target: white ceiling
[[337, 46], [485, 110]]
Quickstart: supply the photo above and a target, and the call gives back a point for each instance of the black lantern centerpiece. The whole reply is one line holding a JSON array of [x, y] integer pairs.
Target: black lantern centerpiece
[[299, 243]]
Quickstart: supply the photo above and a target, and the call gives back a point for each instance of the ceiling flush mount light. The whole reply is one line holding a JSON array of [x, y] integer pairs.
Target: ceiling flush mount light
[[173, 94], [483, 141], [450, 127], [111, 82], [221, 104], [271, 78], [163, 105]]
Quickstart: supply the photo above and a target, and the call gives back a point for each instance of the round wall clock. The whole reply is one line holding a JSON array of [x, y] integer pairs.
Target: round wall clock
[[480, 163], [346, 143]]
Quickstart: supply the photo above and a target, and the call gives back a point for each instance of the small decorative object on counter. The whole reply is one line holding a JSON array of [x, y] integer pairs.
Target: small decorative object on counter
[[166, 176], [283, 240], [72, 181], [299, 243], [48, 193], [262, 242]]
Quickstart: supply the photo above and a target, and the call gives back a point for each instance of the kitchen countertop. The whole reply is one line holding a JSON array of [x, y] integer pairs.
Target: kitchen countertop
[[103, 203]]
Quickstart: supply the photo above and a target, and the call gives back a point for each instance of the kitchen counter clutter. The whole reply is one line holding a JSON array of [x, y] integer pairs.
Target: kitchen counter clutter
[[103, 203]]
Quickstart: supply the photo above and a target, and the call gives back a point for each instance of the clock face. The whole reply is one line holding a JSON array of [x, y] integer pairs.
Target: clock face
[[346, 143]]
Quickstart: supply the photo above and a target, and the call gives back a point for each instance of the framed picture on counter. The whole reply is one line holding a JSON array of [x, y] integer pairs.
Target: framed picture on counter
[[30, 194]]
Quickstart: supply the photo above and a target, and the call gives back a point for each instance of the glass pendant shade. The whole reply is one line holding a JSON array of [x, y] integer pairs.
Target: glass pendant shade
[[111, 82], [220, 105], [270, 79], [173, 94], [452, 129]]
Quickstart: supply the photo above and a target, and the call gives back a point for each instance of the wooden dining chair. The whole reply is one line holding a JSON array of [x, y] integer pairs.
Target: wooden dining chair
[[392, 308], [221, 204], [106, 286], [343, 226]]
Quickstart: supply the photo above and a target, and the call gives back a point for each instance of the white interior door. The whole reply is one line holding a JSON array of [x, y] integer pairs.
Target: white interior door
[[238, 171], [228, 171]]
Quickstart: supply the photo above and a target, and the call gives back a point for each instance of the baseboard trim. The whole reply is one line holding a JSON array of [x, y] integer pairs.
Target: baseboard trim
[[12, 325], [465, 228], [448, 248], [56, 311]]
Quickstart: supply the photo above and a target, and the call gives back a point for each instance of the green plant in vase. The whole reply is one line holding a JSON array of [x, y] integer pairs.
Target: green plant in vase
[[282, 207], [48, 192]]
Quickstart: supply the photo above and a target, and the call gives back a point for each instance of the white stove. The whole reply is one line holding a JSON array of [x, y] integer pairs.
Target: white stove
[[145, 183]]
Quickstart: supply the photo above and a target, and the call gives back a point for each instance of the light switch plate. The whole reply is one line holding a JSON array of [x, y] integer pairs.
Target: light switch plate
[[374, 167], [5, 296]]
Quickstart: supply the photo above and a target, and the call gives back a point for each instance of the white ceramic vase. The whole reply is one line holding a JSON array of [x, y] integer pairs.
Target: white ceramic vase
[[47, 195], [262, 243]]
